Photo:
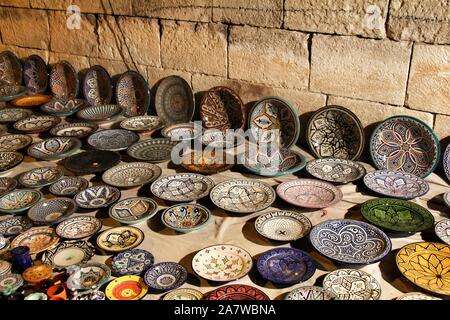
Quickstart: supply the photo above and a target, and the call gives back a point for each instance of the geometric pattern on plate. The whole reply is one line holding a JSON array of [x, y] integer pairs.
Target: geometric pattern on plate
[[335, 170], [184, 294], [76, 129], [36, 123], [97, 86], [68, 186], [112, 139], [51, 211], [310, 293], [182, 131], [89, 276], [97, 197], [39, 177], [78, 227], [120, 238], [10, 159], [186, 217], [69, 253], [64, 80], [63, 107], [283, 225], [14, 142], [38, 239], [100, 113], [54, 148], [165, 276], [19, 200], [35, 74], [182, 187], [133, 210], [236, 292], [446, 162], [14, 225], [142, 123], [349, 284], [133, 94], [10, 67], [132, 262], [152, 150], [131, 174], [14, 114], [442, 230]]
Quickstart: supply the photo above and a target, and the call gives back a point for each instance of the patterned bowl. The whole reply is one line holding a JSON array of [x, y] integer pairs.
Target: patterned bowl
[[14, 114], [133, 94], [142, 123], [7, 184], [69, 253], [236, 292], [79, 227], [92, 161], [186, 217], [100, 113], [120, 238], [112, 139], [40, 177], [89, 276], [350, 284], [38, 239], [126, 288], [183, 187], [442, 230], [182, 131], [335, 170], [10, 159], [133, 210], [97, 197], [76, 130], [35, 74], [132, 262], [206, 162], [310, 293], [19, 200], [54, 148], [97, 86], [184, 294], [152, 150], [14, 142], [11, 91], [68, 186], [64, 82], [15, 225], [283, 225], [52, 211], [165, 276], [36, 123], [11, 68], [63, 107], [131, 174]]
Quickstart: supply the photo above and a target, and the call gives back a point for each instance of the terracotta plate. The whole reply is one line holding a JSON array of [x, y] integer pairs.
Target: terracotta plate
[[37, 273]]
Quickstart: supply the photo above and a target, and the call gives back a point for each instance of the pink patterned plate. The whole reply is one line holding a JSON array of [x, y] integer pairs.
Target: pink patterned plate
[[236, 292]]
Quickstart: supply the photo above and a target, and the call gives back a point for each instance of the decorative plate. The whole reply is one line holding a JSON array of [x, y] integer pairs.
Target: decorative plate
[[92, 161], [416, 296], [335, 170], [40, 177], [35, 74], [69, 253], [11, 92], [63, 107], [14, 114], [133, 210], [406, 144], [152, 150], [112, 139], [445, 160], [120, 238], [186, 217], [133, 94], [19, 200], [222, 140], [89, 276], [14, 142], [236, 292], [131, 174], [51, 211], [182, 131], [78, 227], [286, 266], [283, 225], [142, 123], [426, 264], [10, 282], [132, 262], [243, 196], [222, 263], [4, 243], [274, 120], [350, 241], [10, 159], [36, 123], [222, 108], [310, 293], [126, 288], [54, 148], [100, 113], [184, 294], [165, 276], [97, 197], [97, 86], [13, 226], [5, 267], [76, 130], [174, 100], [206, 162], [7, 184], [349, 284], [68, 186], [30, 101], [64, 82], [335, 132], [396, 184], [309, 193], [446, 197], [37, 273], [397, 215], [183, 187], [10, 68], [38, 239], [442, 230]]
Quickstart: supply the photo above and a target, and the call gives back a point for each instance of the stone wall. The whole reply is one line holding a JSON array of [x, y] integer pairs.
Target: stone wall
[[376, 57]]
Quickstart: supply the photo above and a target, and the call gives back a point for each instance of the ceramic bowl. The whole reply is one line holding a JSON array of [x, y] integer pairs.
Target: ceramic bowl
[[445, 161], [40, 177], [38, 239], [222, 140], [416, 296], [132, 262], [36, 123], [35, 74], [100, 113], [236, 292], [10, 159], [133, 94], [14, 114], [120, 238], [350, 284], [97, 86], [182, 131], [112, 139], [64, 82], [89, 276], [69, 253], [133, 210], [54, 148], [63, 107], [335, 170], [11, 227], [91, 162], [152, 150], [447, 199], [11, 91], [186, 217], [131, 174], [30, 101], [75, 130], [183, 187], [36, 296], [142, 123], [52, 211], [283, 225], [14, 142], [68, 186], [126, 288], [206, 162], [442, 230], [310, 293], [165, 276], [37, 273], [97, 197], [184, 294], [11, 67], [5, 267], [7, 184], [19, 200], [9, 283], [79, 227]]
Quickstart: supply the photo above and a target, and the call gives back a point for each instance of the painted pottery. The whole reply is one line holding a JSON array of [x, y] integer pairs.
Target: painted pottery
[[52, 211], [335, 170], [445, 161], [310, 293], [64, 82], [97, 86], [54, 148], [184, 294], [126, 288], [14, 114], [63, 107], [165, 276], [5, 267], [152, 150], [40, 177], [120, 238], [36, 296], [13, 226], [69, 253], [142, 123], [133, 210], [131, 174], [38, 273], [36, 123], [186, 217], [112, 139], [21, 258], [38, 239], [97, 197], [7, 184], [100, 113], [10, 159], [30, 101], [35, 74], [75, 130], [349, 284], [78, 227], [19, 200], [416, 296], [283, 225], [206, 162], [92, 161], [10, 282], [133, 94], [222, 140], [11, 92], [182, 131], [183, 187], [10, 68], [132, 262], [447, 199], [442, 230], [14, 142], [68, 186], [236, 292], [89, 276]]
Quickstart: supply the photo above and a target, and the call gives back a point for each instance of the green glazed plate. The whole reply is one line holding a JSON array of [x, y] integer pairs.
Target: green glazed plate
[[397, 215]]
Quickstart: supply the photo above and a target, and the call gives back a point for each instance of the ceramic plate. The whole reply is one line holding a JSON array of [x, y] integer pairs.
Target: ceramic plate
[[100, 113], [10, 159], [133, 94], [445, 161], [182, 131], [36, 123], [416, 296], [335, 132], [13, 226], [152, 150], [447, 199], [64, 81], [236, 292], [76, 130], [426, 264], [5, 267], [274, 120], [206, 162], [126, 288], [397, 215], [283, 225], [14, 142], [30, 101], [11, 92], [133, 210], [184, 294], [92, 161], [78, 227], [19, 200], [222, 108], [112, 139], [309, 193], [51, 211], [54, 148], [132, 262], [222, 140], [310, 293], [183, 187], [186, 217], [335, 170], [442, 230], [11, 67], [349, 284], [38, 239], [165, 276], [40, 177], [350, 241], [7, 184], [243, 196], [174, 100], [68, 186], [10, 282], [120, 238], [286, 266], [97, 86], [89, 276], [14, 114], [35, 74], [406, 144], [69, 253], [131, 174], [63, 107], [37, 273], [222, 263], [142, 123], [97, 197]]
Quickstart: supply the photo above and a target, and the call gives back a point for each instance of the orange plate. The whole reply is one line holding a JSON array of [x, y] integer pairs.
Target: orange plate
[[31, 101], [37, 273]]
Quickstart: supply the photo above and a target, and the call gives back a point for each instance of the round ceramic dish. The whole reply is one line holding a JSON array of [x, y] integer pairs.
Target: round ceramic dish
[[14, 114], [10, 282], [283, 225], [174, 100], [142, 123], [40, 177], [426, 265], [396, 184], [97, 197], [335, 132], [38, 273], [184, 294], [132, 262], [14, 142], [335, 170], [350, 241], [35, 74], [9, 160], [100, 113], [447, 199], [64, 82], [133, 94], [63, 107], [397, 215], [243, 196], [165, 276], [36, 123], [183, 187], [69, 253], [310, 293], [38, 239], [120, 238], [309, 193], [7, 184], [11, 91], [222, 140], [236, 292], [131, 174], [182, 131], [133, 210], [416, 296], [11, 67], [19, 200], [5, 267], [126, 288], [442, 230], [406, 144], [13, 226], [75, 130], [349, 284], [152, 150], [54, 148], [112, 139], [97, 86], [30, 101], [68, 186], [222, 263], [445, 161], [206, 162], [89, 276], [274, 120], [92, 161], [186, 217], [52, 211], [78, 227]]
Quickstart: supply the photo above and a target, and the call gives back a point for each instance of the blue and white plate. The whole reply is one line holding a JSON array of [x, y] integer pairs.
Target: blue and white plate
[[11, 227], [132, 262], [165, 276]]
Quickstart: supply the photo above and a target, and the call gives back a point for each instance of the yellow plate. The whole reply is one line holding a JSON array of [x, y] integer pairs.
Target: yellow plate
[[31, 100], [126, 288], [120, 238], [426, 264]]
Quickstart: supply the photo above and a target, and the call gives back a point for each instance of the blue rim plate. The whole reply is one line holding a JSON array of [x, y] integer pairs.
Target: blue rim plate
[[165, 276], [19, 196], [132, 262]]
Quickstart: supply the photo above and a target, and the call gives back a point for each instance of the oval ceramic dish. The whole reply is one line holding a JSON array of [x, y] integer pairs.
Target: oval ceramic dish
[[142, 123], [310, 293], [165, 276], [69, 253], [283, 225], [19, 200], [35, 74], [30, 101], [40, 177], [80, 227], [335, 170], [11, 227], [38, 239], [100, 113], [76, 130], [182, 131], [126, 288], [186, 217], [133, 94], [183, 187], [14, 114], [349, 284], [152, 150], [64, 82], [112, 139], [131, 174], [184, 294], [97, 86], [68, 186], [7, 184], [9, 160], [442, 230], [236, 292], [52, 211], [36, 123], [92, 161], [11, 68], [133, 210], [97, 197], [132, 262], [63, 107], [14, 142], [89, 276], [54, 148], [120, 238]]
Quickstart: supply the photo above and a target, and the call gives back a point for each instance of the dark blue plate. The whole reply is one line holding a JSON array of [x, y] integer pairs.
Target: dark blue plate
[[132, 262], [165, 276]]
